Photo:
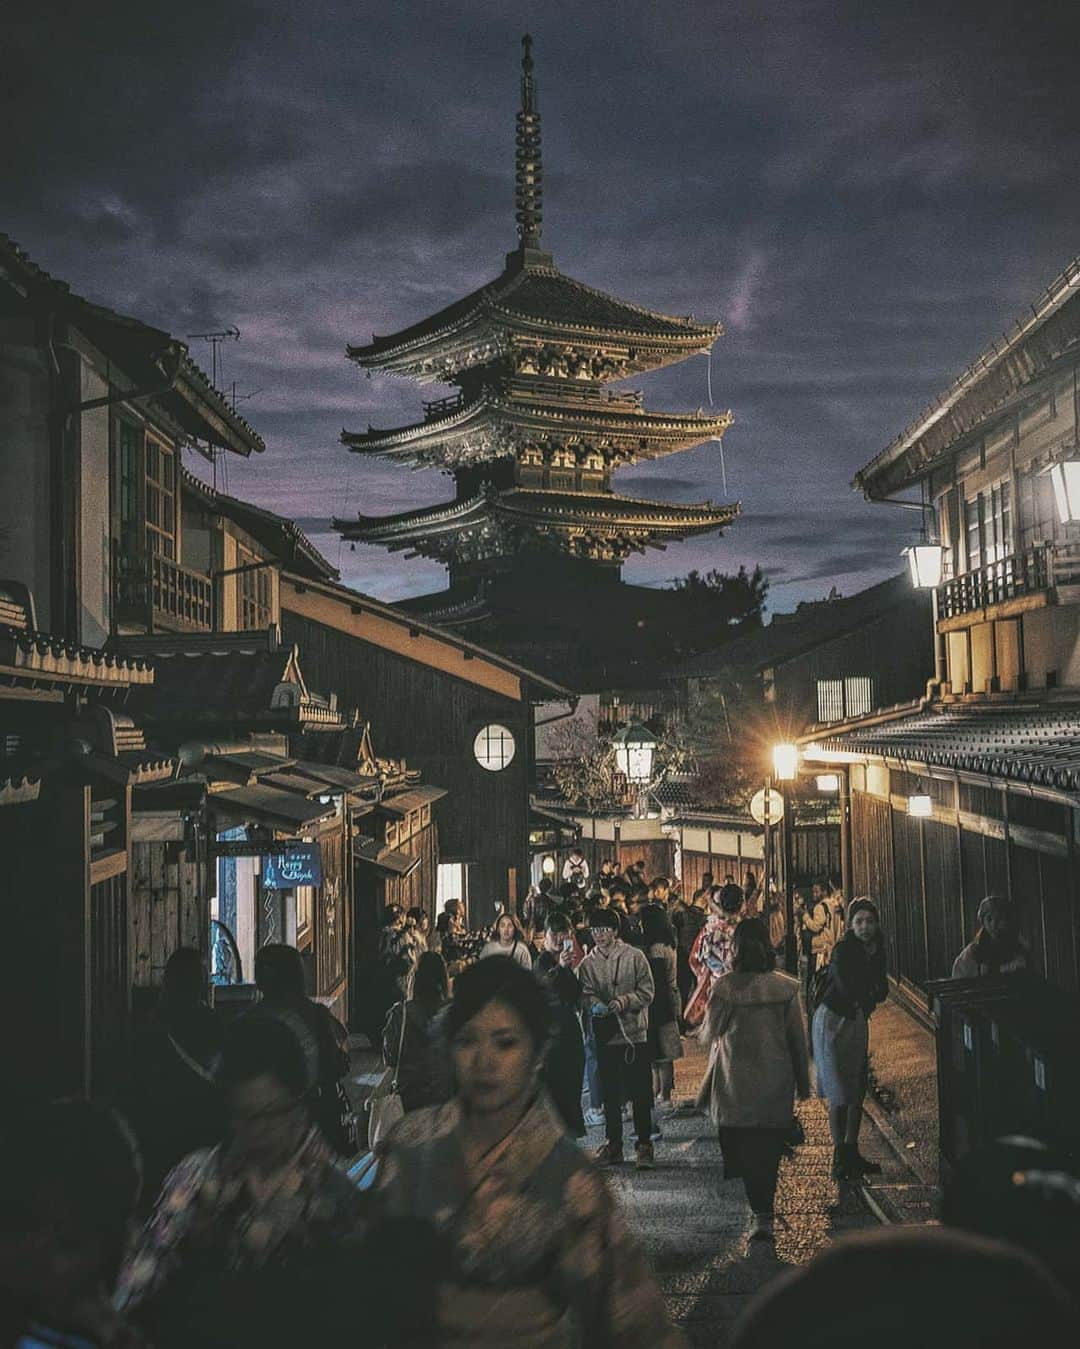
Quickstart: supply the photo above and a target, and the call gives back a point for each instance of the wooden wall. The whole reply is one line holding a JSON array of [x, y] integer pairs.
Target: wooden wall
[[168, 906], [431, 718], [929, 875]]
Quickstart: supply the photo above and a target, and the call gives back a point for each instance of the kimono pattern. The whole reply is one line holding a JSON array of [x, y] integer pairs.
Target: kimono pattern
[[710, 957], [535, 1253]]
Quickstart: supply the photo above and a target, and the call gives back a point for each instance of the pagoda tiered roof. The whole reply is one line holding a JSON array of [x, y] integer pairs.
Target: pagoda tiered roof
[[533, 304], [600, 525], [498, 423]]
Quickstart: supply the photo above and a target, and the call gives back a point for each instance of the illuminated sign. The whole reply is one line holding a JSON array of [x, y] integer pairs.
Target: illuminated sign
[[300, 865]]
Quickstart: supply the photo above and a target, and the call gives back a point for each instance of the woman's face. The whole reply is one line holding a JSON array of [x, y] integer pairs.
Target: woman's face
[[505, 930], [865, 926], [997, 922], [267, 1119], [494, 1059]]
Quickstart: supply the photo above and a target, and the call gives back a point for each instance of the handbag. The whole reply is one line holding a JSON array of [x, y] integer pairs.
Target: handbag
[[385, 1106]]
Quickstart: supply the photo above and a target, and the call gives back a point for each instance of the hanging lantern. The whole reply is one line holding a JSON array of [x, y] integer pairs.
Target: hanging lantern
[[920, 806], [785, 762], [635, 749], [1065, 480], [547, 866], [925, 564]]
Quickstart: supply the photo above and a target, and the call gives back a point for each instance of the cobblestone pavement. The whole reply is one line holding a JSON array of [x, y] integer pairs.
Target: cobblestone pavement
[[693, 1224]]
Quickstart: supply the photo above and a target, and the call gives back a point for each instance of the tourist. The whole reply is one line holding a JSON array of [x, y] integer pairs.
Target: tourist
[[414, 1049], [814, 920], [660, 892], [688, 917], [536, 1253], [417, 933], [998, 948], [665, 1045], [392, 932], [758, 1064], [895, 1287], [69, 1182], [616, 992], [219, 1260], [854, 986], [173, 1103], [279, 974], [620, 907], [710, 956], [508, 940], [730, 903], [604, 879], [564, 1063], [575, 872], [750, 892]]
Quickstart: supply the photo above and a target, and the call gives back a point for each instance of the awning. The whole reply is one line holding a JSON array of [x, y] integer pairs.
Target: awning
[[387, 860], [286, 811], [244, 767], [342, 778], [133, 768], [404, 803]]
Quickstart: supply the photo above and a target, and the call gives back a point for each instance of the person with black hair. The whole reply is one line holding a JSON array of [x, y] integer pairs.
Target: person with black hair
[[423, 1073], [688, 917], [854, 985], [279, 974], [534, 1250], [172, 1101], [617, 991], [665, 1012], [69, 1183], [564, 1062], [758, 1063], [998, 947], [235, 1221]]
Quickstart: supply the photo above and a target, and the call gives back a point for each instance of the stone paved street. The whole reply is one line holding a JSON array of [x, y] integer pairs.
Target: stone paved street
[[693, 1224]]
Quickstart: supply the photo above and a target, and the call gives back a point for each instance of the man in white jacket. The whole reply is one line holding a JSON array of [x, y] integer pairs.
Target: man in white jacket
[[616, 992]]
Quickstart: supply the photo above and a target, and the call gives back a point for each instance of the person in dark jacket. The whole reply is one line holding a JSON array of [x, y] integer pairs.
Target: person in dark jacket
[[998, 948], [564, 1063], [665, 1013], [855, 985], [173, 1103], [279, 974], [423, 1067]]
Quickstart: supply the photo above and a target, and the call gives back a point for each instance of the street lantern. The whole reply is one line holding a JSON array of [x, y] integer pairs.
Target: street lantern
[[547, 866], [635, 750], [785, 762], [1065, 480], [919, 806], [925, 564]]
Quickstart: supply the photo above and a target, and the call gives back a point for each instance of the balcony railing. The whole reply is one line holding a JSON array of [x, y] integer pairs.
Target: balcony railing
[[1007, 579], [155, 590]]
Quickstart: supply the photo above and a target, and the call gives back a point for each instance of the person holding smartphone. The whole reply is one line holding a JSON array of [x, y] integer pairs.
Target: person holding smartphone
[[564, 1065]]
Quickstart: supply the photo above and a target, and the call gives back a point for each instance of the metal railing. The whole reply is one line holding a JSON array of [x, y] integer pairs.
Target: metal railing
[[1009, 577]]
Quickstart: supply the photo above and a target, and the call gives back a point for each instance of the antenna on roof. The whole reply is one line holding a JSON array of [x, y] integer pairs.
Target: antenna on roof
[[231, 334], [528, 165]]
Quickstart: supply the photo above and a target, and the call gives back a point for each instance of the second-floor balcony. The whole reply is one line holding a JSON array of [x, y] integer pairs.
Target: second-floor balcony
[[161, 594], [1034, 571]]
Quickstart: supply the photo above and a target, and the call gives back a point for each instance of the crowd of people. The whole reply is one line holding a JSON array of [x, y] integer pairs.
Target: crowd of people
[[215, 1207]]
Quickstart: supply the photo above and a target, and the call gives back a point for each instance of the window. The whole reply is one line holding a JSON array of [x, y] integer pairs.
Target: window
[[1037, 515], [840, 699], [146, 474], [452, 883], [988, 519], [494, 748], [253, 593], [160, 499]]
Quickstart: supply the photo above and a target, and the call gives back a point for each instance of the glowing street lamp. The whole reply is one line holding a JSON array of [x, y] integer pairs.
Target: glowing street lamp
[[925, 564], [1065, 480], [785, 762], [547, 866], [635, 749]]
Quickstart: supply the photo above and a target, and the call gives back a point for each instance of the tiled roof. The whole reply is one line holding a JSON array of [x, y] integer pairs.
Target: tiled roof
[[541, 295], [39, 656], [1040, 746]]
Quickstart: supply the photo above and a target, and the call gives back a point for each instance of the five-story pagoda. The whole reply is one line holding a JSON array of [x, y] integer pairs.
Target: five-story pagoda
[[534, 435]]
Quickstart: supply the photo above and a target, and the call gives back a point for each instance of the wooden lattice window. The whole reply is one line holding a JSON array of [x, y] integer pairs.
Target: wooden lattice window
[[160, 469]]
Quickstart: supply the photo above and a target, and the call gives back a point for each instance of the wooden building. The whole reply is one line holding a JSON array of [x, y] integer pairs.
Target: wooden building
[[976, 788], [532, 438]]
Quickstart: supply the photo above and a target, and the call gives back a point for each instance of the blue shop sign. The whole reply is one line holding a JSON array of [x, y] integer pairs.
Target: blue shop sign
[[300, 865]]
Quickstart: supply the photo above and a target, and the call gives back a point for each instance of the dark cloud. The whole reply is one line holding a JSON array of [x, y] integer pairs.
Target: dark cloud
[[865, 193]]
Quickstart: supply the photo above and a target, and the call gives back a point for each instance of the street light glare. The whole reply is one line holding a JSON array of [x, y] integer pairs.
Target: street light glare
[[785, 762], [925, 564]]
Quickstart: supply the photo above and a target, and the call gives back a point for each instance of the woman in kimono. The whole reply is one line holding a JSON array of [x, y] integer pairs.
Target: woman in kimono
[[534, 1252]]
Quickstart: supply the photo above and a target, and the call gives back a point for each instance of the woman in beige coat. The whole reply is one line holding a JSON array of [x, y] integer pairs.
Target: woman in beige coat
[[757, 1065]]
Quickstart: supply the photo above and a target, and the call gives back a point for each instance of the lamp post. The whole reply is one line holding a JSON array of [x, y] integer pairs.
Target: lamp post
[[786, 769], [925, 562]]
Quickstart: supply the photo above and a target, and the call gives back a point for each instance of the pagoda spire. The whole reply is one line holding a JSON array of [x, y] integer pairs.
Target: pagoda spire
[[529, 171]]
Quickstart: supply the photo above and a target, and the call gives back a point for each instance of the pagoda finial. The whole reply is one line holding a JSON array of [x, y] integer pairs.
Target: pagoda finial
[[529, 172]]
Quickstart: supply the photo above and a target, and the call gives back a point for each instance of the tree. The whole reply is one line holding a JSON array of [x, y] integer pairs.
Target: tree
[[717, 600]]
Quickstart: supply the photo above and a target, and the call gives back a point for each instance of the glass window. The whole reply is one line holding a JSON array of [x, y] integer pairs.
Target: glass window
[[494, 748], [839, 699], [830, 699]]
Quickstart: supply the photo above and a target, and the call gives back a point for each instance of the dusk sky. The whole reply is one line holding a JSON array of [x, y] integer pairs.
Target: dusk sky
[[864, 194]]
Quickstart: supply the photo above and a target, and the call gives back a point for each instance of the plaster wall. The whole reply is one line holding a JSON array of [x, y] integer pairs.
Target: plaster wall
[[24, 465]]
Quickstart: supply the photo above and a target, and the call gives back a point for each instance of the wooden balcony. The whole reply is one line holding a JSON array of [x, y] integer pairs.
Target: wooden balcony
[[1011, 578], [162, 594]]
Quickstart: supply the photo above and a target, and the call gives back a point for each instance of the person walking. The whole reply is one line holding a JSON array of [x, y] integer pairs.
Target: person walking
[[758, 1064], [564, 1063], [617, 990], [535, 1252], [710, 956], [508, 940], [423, 1074], [665, 1044], [688, 917], [816, 937], [854, 986], [997, 948]]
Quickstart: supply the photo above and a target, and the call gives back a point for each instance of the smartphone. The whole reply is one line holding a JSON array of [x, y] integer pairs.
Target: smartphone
[[567, 945]]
